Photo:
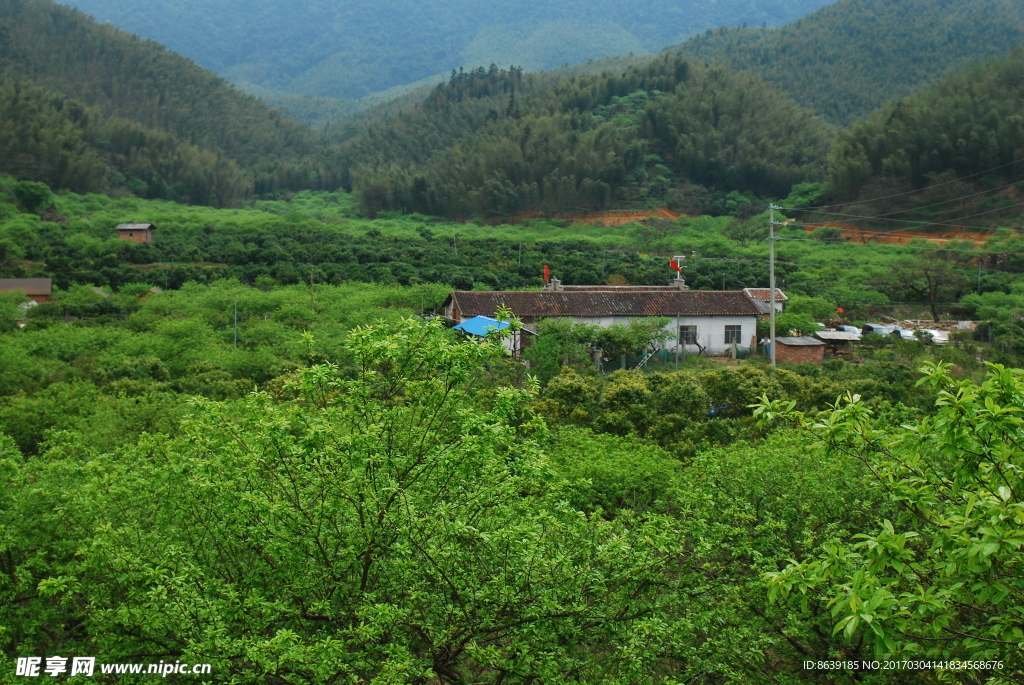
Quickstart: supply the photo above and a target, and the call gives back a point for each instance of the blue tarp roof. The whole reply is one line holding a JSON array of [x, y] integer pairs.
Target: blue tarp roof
[[481, 325]]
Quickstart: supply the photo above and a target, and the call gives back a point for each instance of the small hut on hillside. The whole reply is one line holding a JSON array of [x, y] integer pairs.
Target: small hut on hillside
[[137, 233]]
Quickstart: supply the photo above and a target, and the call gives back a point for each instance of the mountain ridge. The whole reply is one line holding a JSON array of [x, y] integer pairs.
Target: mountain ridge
[[319, 48], [148, 114], [824, 60]]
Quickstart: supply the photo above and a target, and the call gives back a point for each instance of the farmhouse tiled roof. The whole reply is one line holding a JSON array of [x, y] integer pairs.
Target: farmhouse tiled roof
[[766, 294], [31, 286], [592, 303]]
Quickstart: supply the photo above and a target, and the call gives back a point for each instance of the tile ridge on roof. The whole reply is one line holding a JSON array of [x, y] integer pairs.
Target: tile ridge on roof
[[597, 303], [780, 295]]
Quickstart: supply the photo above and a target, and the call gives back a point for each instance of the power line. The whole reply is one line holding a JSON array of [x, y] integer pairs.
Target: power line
[[877, 232], [921, 190], [955, 199], [936, 204], [902, 247], [928, 223]]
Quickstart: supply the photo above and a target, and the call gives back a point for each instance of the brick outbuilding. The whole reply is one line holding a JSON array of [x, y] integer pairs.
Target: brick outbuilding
[[137, 233], [801, 350]]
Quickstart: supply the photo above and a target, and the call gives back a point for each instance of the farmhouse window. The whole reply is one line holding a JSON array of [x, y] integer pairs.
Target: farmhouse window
[[732, 334], [687, 335]]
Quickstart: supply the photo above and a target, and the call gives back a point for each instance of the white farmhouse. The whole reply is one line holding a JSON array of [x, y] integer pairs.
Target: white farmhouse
[[701, 321]]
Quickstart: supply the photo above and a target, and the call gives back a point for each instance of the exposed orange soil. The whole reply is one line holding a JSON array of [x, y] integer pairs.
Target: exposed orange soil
[[614, 217], [856, 234]]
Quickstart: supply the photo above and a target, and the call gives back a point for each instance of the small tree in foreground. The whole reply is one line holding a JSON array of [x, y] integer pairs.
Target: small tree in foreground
[[946, 579], [382, 529]]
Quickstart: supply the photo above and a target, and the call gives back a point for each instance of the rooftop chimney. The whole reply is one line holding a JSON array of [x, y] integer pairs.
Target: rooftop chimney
[[554, 285]]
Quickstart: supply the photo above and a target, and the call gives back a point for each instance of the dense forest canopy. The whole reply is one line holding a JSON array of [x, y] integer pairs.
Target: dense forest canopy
[[847, 59], [157, 118], [312, 47], [967, 124], [61, 142], [482, 146], [489, 143]]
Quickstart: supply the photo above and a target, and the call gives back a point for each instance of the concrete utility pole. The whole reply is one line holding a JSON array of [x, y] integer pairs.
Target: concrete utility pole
[[771, 276], [312, 301], [679, 341]]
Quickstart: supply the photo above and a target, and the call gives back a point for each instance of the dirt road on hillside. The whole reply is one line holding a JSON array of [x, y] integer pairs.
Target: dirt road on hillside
[[614, 217], [858, 234]]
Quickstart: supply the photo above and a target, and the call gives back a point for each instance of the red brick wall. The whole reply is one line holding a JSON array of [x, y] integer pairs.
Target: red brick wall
[[139, 235], [800, 354]]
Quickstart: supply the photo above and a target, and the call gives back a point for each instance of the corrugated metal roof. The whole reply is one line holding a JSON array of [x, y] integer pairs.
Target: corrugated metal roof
[[31, 286], [134, 227], [481, 325], [803, 340], [546, 303], [766, 294], [841, 336]]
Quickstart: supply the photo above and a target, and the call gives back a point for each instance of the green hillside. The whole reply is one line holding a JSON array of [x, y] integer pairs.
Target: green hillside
[[496, 142], [50, 138], [968, 125], [136, 93], [352, 49], [134, 117], [849, 58]]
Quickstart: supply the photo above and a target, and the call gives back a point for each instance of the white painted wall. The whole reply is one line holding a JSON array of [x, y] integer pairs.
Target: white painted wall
[[710, 330]]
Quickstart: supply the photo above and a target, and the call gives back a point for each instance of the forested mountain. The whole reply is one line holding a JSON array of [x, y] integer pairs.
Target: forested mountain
[[351, 49], [48, 137], [849, 58], [492, 142], [131, 115], [477, 147], [968, 125], [123, 98]]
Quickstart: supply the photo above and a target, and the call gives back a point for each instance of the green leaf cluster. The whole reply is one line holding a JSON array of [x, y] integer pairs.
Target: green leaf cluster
[[941, 577]]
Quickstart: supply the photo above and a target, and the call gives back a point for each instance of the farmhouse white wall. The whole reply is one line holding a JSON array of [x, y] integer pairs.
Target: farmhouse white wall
[[710, 330]]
